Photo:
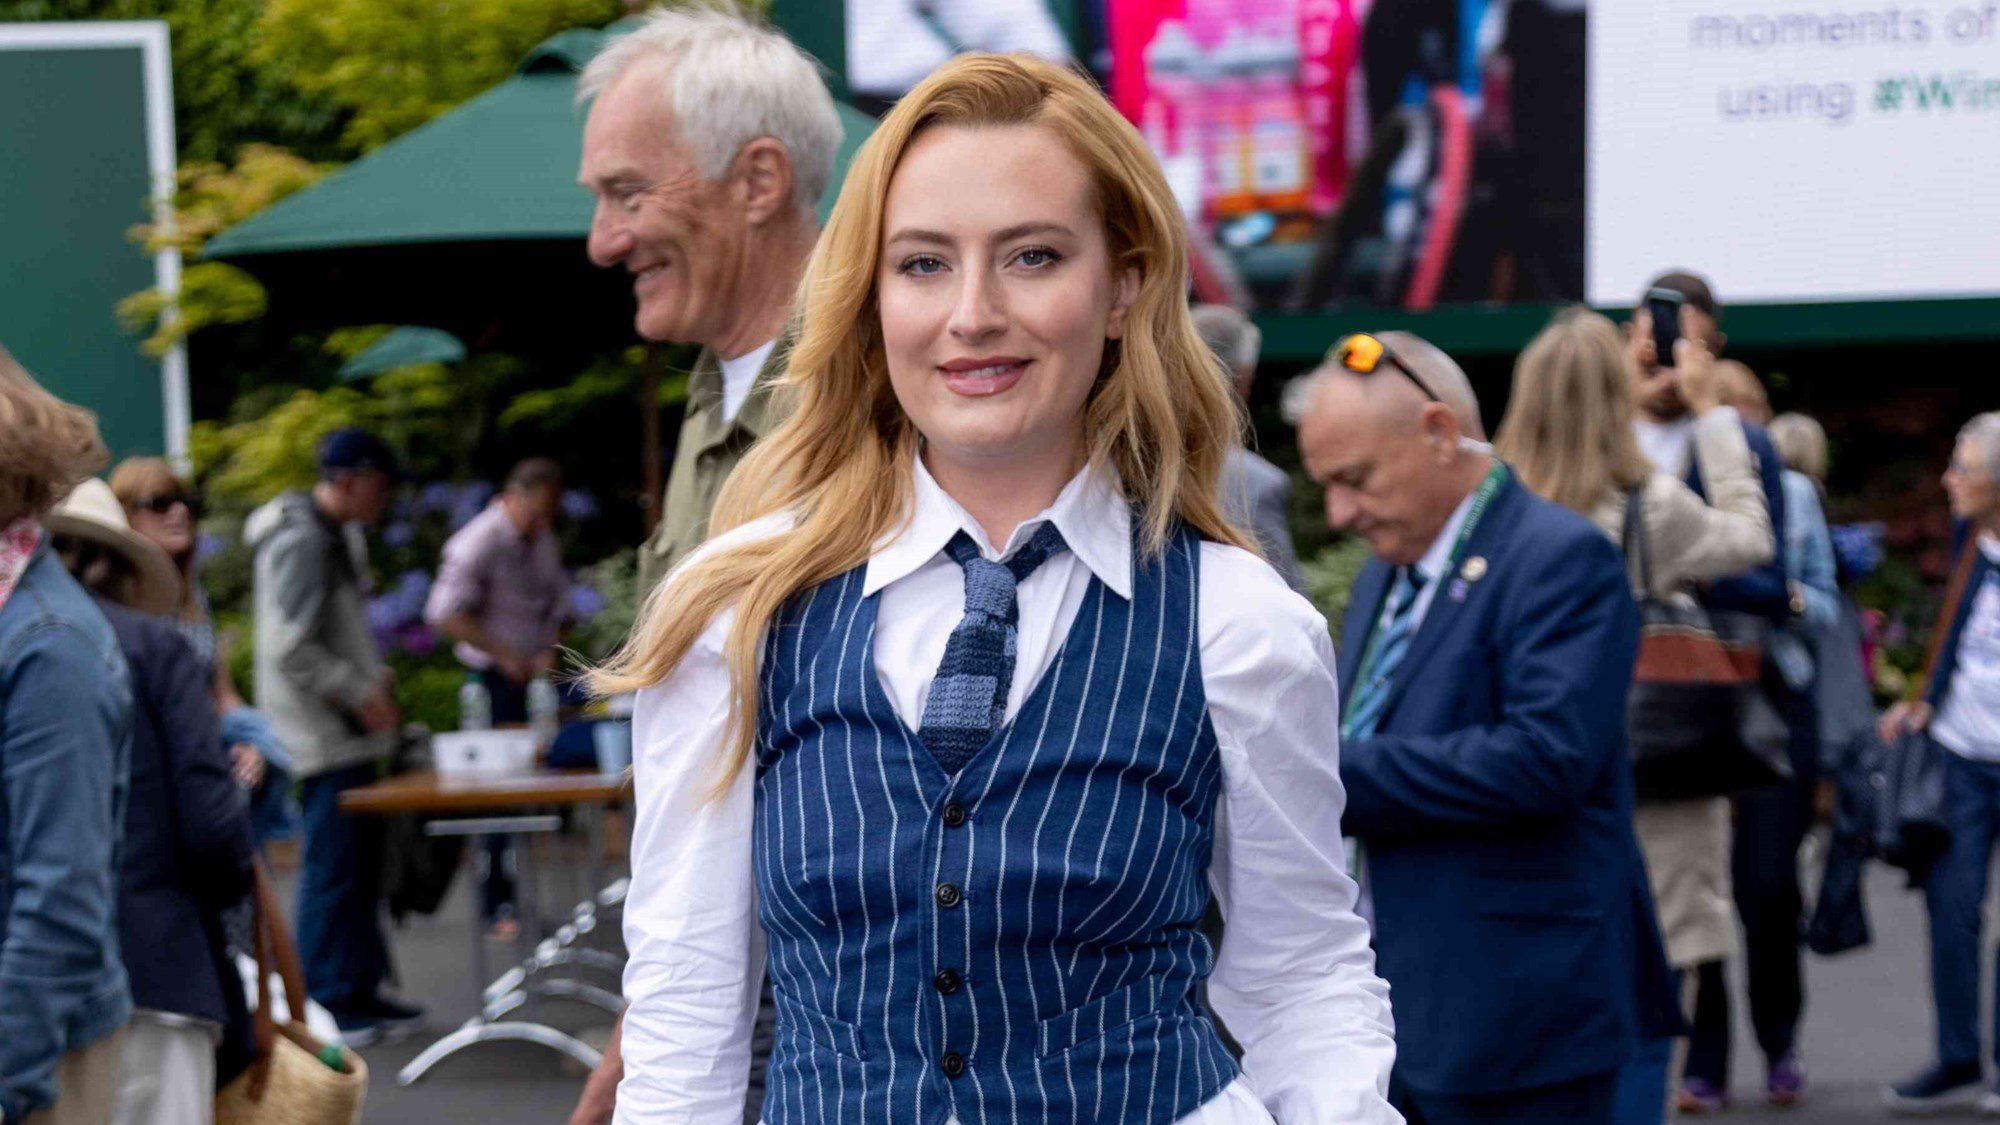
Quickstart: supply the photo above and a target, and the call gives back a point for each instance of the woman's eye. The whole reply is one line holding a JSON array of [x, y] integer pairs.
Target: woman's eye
[[1036, 257], [923, 265]]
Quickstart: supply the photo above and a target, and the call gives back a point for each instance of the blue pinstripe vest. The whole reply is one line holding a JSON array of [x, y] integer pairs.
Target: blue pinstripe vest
[[1013, 944]]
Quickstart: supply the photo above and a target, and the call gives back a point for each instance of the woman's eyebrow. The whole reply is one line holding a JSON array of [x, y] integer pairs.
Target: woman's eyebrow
[[1008, 234]]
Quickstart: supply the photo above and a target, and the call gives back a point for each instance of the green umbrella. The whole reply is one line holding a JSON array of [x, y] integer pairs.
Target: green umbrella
[[403, 347], [472, 222]]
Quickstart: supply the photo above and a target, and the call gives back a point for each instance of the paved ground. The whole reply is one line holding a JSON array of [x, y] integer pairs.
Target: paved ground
[[1868, 1021]]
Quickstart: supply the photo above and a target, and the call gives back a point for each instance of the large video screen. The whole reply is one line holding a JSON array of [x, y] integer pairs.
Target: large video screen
[[1801, 151], [1414, 154]]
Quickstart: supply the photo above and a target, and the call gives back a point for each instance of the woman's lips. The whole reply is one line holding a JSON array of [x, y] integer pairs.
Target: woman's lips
[[978, 382]]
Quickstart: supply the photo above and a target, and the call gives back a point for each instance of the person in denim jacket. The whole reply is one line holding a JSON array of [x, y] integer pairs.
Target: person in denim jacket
[[65, 740]]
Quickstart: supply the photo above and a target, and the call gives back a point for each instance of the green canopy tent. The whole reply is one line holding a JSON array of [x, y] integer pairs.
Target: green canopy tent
[[402, 347], [472, 222]]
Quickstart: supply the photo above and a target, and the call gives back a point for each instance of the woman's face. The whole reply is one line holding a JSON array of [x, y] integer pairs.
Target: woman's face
[[997, 295], [172, 530]]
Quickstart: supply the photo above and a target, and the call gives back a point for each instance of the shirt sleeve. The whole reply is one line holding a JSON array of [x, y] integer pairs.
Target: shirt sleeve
[[1295, 981], [461, 580], [696, 962], [1702, 540], [1809, 549]]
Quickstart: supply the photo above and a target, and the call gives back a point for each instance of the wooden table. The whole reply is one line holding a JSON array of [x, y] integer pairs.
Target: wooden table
[[427, 791], [482, 805]]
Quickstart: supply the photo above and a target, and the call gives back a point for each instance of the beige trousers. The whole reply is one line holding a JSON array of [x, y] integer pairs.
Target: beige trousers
[[86, 1085]]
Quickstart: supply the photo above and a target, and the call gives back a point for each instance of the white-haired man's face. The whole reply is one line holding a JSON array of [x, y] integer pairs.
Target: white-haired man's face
[[680, 236], [1970, 484]]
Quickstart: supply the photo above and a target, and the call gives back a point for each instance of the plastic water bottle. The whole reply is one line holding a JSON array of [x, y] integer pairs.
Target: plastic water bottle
[[475, 706], [542, 705]]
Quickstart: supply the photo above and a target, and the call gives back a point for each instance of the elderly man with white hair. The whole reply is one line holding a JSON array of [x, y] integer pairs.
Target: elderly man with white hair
[[1959, 708], [710, 140]]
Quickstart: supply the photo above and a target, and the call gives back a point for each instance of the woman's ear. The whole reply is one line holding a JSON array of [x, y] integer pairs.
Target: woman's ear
[[1122, 297]]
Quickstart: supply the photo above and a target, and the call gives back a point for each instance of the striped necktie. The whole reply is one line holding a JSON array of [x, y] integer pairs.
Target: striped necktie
[[968, 696], [1371, 687]]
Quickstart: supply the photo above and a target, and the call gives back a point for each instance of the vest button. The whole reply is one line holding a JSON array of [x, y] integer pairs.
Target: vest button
[[947, 981], [954, 1064], [947, 895], [954, 815]]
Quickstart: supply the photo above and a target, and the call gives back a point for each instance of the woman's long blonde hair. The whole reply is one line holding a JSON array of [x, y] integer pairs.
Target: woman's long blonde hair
[[46, 445], [1161, 416], [1568, 429]]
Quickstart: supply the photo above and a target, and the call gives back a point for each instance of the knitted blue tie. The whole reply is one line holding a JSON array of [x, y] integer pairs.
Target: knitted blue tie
[[968, 698]]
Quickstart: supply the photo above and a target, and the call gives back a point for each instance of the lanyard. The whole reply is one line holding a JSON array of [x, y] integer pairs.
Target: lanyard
[[1488, 488]]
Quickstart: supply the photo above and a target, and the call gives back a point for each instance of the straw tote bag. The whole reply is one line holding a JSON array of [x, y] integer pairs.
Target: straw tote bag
[[288, 1084]]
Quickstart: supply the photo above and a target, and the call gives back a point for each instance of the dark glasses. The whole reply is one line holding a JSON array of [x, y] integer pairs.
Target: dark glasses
[[162, 504], [1364, 354]]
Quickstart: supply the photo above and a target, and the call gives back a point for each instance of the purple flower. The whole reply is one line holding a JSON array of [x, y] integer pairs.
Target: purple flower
[[579, 505], [1857, 549], [207, 546], [417, 639], [384, 613], [437, 496], [469, 502], [399, 534], [585, 602]]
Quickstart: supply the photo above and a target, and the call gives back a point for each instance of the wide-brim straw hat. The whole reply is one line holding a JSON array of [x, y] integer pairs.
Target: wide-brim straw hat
[[92, 511]]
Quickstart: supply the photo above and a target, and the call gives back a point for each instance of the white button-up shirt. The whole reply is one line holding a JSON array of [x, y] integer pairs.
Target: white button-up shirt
[[1295, 978]]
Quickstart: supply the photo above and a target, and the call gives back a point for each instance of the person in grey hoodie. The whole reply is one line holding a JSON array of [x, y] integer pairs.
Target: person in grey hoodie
[[326, 690]]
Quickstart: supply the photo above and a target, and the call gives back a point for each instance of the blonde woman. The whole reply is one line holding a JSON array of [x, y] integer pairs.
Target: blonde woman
[[1568, 433], [971, 703], [162, 506]]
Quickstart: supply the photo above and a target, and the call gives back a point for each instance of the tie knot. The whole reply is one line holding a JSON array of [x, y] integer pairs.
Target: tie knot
[[989, 586]]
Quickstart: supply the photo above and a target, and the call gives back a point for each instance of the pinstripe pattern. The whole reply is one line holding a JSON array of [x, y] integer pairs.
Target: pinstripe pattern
[[1081, 862]]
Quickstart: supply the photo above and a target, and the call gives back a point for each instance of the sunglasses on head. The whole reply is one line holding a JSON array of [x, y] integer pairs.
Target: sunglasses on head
[[165, 502], [1364, 354]]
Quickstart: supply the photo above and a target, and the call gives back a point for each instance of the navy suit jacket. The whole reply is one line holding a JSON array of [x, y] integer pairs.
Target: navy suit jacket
[[1514, 922], [187, 851]]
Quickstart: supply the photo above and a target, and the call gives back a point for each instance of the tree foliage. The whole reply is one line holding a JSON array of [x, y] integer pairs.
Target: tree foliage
[[223, 98], [209, 198], [394, 64]]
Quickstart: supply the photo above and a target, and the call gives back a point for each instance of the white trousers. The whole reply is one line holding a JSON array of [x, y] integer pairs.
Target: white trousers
[[167, 1076]]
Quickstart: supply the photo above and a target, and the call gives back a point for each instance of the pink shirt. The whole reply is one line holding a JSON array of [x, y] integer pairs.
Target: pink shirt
[[513, 586]]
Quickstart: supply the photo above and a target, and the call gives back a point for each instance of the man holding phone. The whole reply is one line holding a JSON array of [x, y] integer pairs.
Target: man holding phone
[[1677, 316]]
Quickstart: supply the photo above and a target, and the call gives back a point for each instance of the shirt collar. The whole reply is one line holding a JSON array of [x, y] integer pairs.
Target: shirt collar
[[495, 517], [1091, 513], [1432, 565]]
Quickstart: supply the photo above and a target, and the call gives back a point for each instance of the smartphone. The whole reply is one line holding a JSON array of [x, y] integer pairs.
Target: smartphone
[[1665, 307]]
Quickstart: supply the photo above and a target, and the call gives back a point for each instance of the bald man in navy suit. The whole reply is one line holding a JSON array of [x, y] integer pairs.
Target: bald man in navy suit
[[1485, 659]]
